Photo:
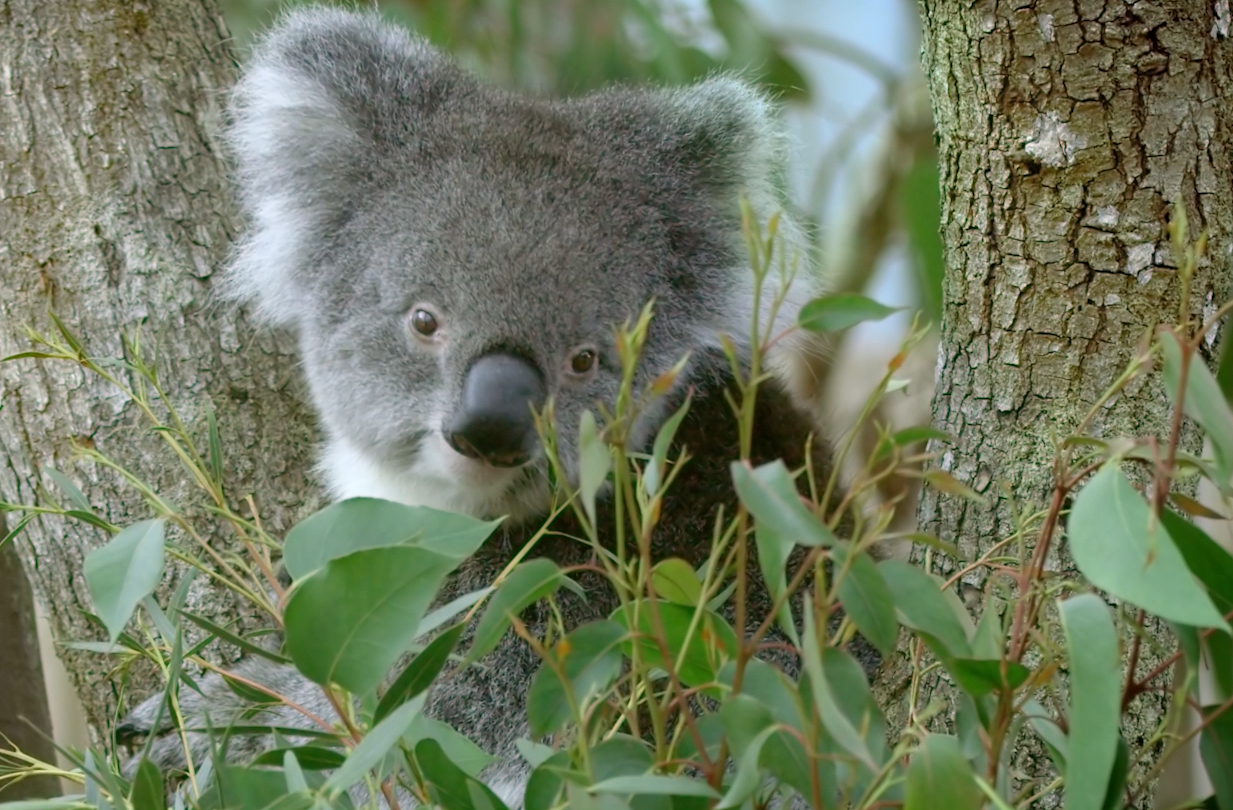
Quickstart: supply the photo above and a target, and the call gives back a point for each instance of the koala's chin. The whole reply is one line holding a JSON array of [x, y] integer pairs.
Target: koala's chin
[[441, 478]]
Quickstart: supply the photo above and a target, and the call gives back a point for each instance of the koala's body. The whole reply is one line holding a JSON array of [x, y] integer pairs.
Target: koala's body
[[452, 255]]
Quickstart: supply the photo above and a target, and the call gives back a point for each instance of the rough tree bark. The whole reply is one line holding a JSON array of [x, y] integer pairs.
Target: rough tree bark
[[1067, 129], [115, 213]]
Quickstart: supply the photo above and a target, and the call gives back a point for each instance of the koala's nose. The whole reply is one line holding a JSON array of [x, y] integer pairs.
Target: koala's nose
[[495, 422]]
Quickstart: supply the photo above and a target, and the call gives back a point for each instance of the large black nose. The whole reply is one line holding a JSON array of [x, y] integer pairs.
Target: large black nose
[[494, 422]]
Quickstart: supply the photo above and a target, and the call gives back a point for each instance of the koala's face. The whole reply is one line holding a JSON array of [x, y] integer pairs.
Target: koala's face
[[468, 293], [454, 257]]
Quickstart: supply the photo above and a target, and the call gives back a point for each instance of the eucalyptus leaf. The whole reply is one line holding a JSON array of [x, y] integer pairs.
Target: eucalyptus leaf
[[1095, 662], [419, 673], [834, 313], [360, 523], [921, 605], [939, 778], [866, 598], [1216, 751], [123, 572], [589, 658], [372, 749], [1204, 402], [594, 462], [528, 583], [1122, 548], [770, 494], [348, 622], [675, 580]]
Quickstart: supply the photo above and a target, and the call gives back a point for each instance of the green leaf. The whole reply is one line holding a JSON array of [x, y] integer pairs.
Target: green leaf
[[1095, 703], [747, 779], [710, 646], [1206, 559], [310, 757], [1216, 750], [833, 313], [448, 784], [943, 481], [125, 571], [867, 599], [534, 753], [63, 803], [546, 780], [1123, 549], [908, 437], [590, 659], [1050, 733], [656, 471], [770, 687], [771, 497], [675, 580], [836, 721], [361, 523], [443, 614], [850, 688], [420, 673], [231, 638], [70, 489], [244, 788], [1117, 778], [594, 462], [215, 442], [922, 606], [147, 792], [294, 773], [623, 755], [655, 785], [348, 622], [939, 778], [1204, 402], [469, 757], [525, 585], [372, 749], [980, 676], [25, 521]]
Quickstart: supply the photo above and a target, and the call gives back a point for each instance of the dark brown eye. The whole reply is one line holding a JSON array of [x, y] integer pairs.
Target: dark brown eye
[[582, 362], [424, 322]]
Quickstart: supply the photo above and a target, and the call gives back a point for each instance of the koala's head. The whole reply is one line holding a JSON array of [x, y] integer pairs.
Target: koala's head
[[452, 255]]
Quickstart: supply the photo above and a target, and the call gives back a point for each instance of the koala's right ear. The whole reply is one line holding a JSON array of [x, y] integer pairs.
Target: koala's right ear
[[326, 103]]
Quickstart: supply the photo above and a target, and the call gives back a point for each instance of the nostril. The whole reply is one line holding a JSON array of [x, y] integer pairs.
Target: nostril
[[459, 442], [499, 442], [512, 452]]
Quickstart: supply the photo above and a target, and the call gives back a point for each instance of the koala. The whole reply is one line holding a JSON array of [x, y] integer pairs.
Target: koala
[[452, 256]]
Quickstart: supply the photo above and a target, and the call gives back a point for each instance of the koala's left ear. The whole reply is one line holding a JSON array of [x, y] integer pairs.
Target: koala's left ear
[[329, 101]]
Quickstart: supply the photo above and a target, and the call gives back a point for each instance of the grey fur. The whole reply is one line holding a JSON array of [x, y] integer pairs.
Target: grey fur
[[378, 176]]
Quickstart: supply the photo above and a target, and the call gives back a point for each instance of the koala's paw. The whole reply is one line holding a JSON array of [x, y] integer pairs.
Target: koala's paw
[[217, 707]]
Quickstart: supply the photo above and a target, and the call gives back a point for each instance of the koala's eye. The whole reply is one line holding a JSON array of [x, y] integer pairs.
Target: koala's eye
[[582, 362], [424, 322]]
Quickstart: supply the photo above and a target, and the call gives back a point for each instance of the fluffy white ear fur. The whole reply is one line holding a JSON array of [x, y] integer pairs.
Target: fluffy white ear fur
[[283, 123], [324, 87]]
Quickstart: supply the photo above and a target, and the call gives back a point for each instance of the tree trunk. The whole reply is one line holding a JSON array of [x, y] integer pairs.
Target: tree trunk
[[1067, 130], [115, 214], [25, 720]]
